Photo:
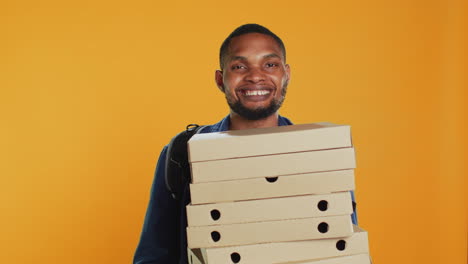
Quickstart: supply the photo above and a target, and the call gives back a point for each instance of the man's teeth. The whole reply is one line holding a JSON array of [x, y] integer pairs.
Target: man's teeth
[[257, 92]]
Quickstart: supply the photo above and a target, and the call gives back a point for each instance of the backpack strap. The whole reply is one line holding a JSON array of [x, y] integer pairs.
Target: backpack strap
[[177, 178], [177, 165]]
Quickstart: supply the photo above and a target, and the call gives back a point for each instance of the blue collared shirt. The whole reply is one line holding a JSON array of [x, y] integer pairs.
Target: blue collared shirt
[[157, 241]]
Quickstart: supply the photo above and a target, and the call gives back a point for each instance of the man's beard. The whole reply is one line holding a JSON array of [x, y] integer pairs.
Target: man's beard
[[259, 113]]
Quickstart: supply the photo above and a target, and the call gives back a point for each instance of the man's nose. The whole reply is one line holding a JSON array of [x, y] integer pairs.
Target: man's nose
[[255, 75]]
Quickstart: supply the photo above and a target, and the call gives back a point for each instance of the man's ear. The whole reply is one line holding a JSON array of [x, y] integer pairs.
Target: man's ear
[[288, 72], [219, 80]]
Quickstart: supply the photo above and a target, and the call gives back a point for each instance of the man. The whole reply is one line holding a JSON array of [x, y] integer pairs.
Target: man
[[254, 77]]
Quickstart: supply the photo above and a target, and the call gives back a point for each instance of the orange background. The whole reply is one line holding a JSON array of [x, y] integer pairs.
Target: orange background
[[91, 91]]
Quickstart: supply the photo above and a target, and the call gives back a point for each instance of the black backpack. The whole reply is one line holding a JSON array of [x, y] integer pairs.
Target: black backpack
[[177, 165], [177, 178]]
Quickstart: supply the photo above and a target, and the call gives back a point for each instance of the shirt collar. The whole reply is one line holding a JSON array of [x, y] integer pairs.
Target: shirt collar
[[223, 125]]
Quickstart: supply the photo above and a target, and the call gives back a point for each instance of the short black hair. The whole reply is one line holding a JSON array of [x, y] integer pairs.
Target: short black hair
[[246, 29]]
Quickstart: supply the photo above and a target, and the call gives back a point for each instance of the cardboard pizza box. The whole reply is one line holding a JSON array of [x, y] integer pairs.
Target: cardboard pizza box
[[284, 252], [273, 165], [261, 188], [272, 231], [266, 141], [353, 259], [270, 209]]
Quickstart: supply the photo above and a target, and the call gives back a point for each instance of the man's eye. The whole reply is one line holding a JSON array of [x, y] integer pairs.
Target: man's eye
[[238, 67], [270, 65]]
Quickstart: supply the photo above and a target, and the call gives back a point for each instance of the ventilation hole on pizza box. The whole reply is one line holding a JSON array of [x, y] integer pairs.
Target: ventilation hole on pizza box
[[271, 179], [215, 214], [216, 236], [341, 245], [322, 205], [323, 227], [191, 259], [235, 257]]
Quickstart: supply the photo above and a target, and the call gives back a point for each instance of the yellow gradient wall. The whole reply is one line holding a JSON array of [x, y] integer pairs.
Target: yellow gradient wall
[[90, 92]]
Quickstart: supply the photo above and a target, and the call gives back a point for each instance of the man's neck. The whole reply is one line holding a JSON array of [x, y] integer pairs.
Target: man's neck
[[238, 122]]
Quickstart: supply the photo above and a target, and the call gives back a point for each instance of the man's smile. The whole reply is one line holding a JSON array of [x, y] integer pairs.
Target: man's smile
[[256, 92], [256, 95]]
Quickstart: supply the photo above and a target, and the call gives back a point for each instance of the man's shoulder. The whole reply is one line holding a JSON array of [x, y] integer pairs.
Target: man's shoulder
[[222, 125]]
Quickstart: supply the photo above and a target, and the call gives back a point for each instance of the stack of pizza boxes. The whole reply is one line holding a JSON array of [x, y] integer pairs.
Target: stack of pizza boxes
[[274, 195]]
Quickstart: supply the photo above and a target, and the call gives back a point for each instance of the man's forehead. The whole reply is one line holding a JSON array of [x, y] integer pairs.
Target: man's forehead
[[254, 43]]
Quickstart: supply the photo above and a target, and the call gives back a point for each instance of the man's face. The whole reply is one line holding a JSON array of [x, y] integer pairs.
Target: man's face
[[255, 77]]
